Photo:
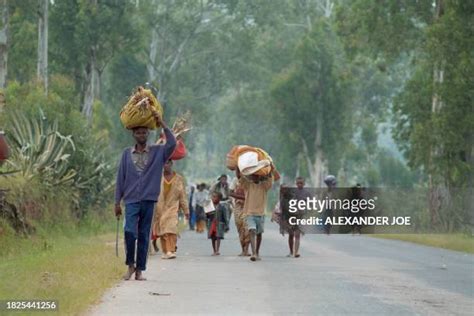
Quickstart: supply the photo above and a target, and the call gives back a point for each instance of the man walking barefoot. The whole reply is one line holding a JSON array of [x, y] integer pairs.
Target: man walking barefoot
[[139, 184], [256, 189]]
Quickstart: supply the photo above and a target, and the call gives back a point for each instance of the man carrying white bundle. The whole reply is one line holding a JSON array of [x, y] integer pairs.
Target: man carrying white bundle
[[256, 188]]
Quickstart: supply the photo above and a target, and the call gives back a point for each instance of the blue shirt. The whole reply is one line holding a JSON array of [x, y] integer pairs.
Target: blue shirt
[[133, 186]]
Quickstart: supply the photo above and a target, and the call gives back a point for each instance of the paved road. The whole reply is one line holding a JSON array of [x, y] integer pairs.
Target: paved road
[[336, 275]]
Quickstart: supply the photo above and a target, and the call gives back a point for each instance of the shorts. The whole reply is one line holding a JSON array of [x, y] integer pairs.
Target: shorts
[[256, 223]]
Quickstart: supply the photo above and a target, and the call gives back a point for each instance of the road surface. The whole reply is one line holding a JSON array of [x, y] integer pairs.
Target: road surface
[[336, 275]]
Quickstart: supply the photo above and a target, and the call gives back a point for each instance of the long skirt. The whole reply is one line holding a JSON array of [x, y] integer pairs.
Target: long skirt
[[168, 242], [241, 225]]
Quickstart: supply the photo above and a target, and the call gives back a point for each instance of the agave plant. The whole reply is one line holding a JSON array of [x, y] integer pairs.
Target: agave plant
[[95, 179], [39, 150], [9, 172]]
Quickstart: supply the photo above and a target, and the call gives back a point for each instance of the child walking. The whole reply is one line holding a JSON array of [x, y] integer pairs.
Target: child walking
[[216, 223]]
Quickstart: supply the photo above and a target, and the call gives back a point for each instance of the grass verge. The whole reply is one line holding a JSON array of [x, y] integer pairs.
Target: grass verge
[[72, 265], [74, 270], [458, 242]]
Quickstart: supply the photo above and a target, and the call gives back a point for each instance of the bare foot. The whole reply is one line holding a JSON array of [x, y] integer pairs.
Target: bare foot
[[253, 258], [129, 273], [297, 255], [139, 276]]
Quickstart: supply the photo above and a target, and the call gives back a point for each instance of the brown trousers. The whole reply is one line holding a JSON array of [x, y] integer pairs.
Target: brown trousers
[[168, 242]]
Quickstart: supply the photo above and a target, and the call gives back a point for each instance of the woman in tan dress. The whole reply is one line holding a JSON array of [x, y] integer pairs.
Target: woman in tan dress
[[171, 200]]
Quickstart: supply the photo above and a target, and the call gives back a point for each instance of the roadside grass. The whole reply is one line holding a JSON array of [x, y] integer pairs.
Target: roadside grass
[[458, 242], [73, 268], [69, 263]]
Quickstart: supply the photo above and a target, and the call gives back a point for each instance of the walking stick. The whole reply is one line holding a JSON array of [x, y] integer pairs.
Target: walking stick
[[117, 236]]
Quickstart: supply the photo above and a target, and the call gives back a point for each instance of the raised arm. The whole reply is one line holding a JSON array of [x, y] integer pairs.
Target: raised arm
[[170, 144]]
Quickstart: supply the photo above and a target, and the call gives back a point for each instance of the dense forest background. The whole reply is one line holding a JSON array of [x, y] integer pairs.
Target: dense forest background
[[375, 92]]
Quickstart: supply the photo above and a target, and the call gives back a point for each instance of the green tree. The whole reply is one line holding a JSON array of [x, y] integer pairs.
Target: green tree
[[312, 96], [93, 33], [433, 111]]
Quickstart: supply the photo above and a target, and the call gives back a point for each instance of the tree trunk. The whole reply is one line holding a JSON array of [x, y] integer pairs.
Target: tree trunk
[[326, 7], [155, 38], [320, 160], [152, 56], [90, 85], [97, 83], [469, 193], [318, 168], [3, 44], [298, 165], [42, 66], [435, 196], [309, 164]]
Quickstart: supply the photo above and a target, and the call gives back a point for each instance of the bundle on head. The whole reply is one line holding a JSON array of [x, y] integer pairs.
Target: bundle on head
[[233, 155], [139, 110], [251, 160]]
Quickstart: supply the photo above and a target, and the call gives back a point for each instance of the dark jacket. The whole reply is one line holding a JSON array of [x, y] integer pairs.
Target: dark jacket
[[132, 186], [222, 224]]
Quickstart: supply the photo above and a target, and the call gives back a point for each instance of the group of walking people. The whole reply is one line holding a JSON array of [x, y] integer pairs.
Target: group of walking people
[[154, 194], [246, 199], [212, 209]]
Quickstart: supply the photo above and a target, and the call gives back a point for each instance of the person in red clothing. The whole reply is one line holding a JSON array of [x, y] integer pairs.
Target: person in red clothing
[[216, 222]]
